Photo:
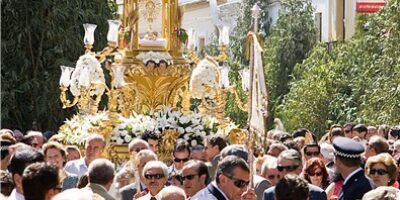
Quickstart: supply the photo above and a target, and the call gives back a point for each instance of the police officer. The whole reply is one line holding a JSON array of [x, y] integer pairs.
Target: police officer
[[348, 161]]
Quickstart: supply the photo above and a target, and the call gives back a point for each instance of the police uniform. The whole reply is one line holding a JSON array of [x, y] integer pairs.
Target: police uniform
[[356, 183]]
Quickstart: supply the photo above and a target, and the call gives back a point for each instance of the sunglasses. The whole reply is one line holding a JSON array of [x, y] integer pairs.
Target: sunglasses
[[155, 176], [237, 182], [287, 168], [188, 177], [315, 174], [273, 176], [380, 172], [177, 160], [312, 153]]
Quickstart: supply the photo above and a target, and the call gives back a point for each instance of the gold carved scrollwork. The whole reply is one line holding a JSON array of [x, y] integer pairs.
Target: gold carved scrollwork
[[157, 87]]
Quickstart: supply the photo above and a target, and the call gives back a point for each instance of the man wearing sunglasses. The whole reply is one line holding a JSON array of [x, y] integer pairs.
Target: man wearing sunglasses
[[195, 177], [348, 161], [290, 162], [143, 157], [260, 184], [180, 155], [155, 175], [311, 151], [231, 182]]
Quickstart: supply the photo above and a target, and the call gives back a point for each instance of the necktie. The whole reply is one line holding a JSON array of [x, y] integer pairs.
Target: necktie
[[153, 198]]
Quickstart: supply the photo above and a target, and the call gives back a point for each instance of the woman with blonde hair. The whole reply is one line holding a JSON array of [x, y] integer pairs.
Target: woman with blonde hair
[[382, 169]]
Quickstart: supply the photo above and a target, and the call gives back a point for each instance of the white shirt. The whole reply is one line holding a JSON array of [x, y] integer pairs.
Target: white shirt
[[148, 196], [351, 174], [77, 167], [16, 195], [206, 194]]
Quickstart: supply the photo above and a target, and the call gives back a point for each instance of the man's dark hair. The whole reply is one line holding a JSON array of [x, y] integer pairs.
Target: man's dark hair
[[311, 145], [291, 187], [23, 158], [230, 163], [301, 132], [217, 140], [201, 169], [37, 179], [181, 146], [379, 144], [149, 135], [350, 124], [360, 128]]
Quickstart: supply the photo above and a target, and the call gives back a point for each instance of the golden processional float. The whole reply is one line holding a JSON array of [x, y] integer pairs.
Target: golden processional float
[[152, 84]]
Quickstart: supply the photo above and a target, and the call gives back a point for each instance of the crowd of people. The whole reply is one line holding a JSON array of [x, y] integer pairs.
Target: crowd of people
[[349, 162]]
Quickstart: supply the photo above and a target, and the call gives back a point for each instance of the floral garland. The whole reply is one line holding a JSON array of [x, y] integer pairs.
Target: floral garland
[[191, 127], [79, 127]]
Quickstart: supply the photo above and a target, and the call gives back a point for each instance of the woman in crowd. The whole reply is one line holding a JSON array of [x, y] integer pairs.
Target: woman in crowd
[[315, 173], [382, 169], [56, 154]]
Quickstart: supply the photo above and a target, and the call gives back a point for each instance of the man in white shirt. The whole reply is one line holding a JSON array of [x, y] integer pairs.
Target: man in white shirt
[[94, 147], [21, 159], [155, 175], [231, 182]]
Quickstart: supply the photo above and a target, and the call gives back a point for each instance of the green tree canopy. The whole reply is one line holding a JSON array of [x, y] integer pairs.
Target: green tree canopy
[[37, 37], [356, 81]]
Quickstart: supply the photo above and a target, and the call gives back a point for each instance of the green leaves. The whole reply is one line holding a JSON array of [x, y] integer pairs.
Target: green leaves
[[38, 37], [356, 81]]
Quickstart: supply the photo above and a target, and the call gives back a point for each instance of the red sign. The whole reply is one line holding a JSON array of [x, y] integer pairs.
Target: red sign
[[369, 7]]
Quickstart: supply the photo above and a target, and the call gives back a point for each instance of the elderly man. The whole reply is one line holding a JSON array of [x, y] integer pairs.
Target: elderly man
[[348, 161], [155, 175], [143, 157], [37, 139], [172, 193], [100, 177], [231, 182], [195, 177], [260, 183], [269, 170], [94, 147], [290, 162]]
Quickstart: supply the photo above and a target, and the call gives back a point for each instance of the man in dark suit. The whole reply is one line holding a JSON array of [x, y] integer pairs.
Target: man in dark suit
[[348, 161], [260, 183], [130, 190], [290, 162]]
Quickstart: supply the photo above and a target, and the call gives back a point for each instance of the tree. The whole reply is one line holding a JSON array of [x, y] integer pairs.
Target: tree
[[38, 37], [357, 81], [289, 43]]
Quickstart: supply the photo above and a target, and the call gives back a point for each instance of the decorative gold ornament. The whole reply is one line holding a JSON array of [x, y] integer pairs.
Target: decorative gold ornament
[[167, 143]]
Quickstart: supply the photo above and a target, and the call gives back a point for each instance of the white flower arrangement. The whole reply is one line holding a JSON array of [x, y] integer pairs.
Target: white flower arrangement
[[205, 74], [93, 75], [79, 127], [131, 127], [191, 127], [155, 56]]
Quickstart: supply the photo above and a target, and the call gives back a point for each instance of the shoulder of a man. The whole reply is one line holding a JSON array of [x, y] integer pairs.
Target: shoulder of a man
[[128, 191], [316, 193], [203, 194], [269, 194]]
